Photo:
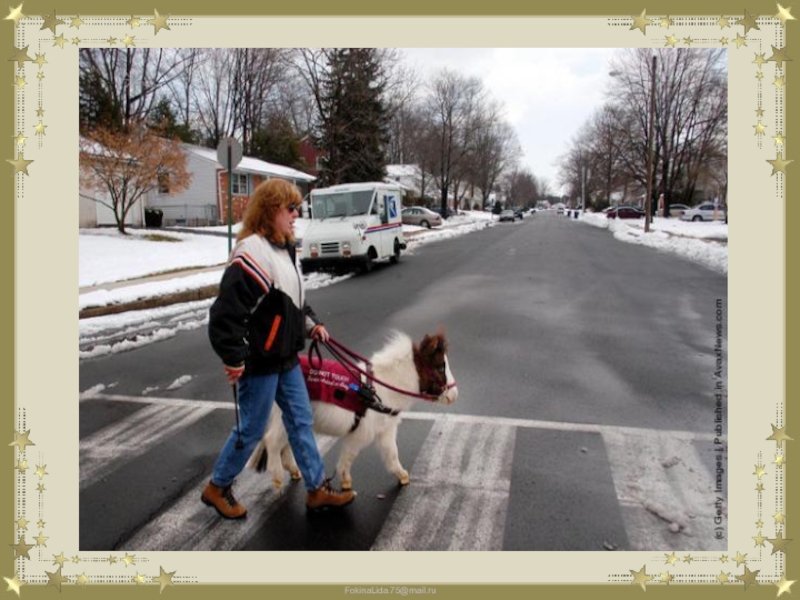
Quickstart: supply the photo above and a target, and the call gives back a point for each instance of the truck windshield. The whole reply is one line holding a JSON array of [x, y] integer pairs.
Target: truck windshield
[[340, 204]]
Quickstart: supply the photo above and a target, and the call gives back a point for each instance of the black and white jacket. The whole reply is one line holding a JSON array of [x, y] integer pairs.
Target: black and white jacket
[[260, 319]]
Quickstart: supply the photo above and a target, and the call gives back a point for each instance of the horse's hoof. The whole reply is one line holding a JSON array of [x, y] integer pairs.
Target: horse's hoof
[[277, 483], [403, 479], [295, 474], [347, 486]]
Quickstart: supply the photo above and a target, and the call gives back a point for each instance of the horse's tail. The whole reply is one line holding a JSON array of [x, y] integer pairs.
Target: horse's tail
[[258, 460]]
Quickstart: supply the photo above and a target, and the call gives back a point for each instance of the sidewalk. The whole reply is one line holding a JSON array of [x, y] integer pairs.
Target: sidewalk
[[113, 285]]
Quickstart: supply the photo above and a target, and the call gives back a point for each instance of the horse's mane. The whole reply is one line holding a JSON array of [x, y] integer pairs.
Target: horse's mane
[[398, 348]]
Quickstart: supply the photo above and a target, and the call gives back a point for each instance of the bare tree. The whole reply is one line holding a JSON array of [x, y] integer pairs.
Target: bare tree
[[126, 83], [496, 149], [214, 98], [119, 168], [451, 110], [238, 91], [520, 188], [182, 86], [690, 115]]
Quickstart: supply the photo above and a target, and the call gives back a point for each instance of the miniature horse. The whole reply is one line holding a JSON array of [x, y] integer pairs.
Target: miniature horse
[[421, 369]]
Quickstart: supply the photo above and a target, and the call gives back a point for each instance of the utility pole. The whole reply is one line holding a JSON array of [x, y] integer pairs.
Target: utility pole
[[650, 166]]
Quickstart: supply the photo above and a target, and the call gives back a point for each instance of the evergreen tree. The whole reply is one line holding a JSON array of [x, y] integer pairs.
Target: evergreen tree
[[97, 106], [164, 119], [277, 143], [352, 130]]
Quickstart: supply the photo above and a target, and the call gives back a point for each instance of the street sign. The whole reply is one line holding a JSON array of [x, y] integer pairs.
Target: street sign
[[229, 154], [234, 156]]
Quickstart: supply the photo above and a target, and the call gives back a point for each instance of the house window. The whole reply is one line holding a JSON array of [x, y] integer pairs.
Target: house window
[[239, 184], [163, 183]]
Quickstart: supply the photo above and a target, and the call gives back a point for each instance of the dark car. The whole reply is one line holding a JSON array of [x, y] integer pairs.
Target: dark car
[[625, 212], [518, 214], [443, 213]]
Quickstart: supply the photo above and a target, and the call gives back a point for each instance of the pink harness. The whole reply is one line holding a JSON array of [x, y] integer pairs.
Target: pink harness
[[330, 383]]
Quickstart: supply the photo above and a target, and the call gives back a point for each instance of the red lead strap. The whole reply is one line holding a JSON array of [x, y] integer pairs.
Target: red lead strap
[[340, 352]]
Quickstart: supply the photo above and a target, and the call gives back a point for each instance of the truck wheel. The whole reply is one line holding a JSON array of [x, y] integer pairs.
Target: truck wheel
[[369, 263], [395, 258]]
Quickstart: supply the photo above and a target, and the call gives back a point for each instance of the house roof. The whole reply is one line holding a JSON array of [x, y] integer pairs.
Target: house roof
[[402, 170], [353, 187], [251, 165]]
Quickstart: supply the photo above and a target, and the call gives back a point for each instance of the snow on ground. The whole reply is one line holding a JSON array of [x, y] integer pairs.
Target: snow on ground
[[106, 256], [179, 382], [706, 243]]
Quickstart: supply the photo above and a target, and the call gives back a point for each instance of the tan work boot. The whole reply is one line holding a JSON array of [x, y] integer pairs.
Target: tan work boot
[[222, 499], [327, 497]]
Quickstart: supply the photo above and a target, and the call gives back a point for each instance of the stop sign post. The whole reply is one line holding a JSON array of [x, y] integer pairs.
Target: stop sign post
[[229, 155]]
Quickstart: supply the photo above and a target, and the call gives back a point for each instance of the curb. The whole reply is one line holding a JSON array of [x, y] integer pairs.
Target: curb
[[203, 293]]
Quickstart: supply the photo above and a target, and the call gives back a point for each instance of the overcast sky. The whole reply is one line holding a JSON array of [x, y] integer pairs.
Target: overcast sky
[[548, 93]]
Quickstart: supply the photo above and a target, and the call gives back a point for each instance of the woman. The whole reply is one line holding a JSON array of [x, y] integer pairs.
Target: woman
[[257, 325]]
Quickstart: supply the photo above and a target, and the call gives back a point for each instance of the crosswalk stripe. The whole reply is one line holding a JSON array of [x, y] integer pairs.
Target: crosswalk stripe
[[130, 438], [191, 525], [662, 485], [458, 496], [439, 416]]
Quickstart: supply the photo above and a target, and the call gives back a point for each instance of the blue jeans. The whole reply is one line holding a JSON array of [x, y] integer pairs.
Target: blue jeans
[[256, 394]]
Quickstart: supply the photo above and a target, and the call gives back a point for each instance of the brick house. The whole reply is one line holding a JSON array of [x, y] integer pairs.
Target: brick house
[[311, 155], [205, 202]]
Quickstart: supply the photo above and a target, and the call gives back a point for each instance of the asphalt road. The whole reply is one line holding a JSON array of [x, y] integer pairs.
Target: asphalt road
[[585, 418]]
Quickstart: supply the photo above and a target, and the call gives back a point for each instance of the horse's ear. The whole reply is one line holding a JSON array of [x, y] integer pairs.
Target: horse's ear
[[428, 345], [442, 344]]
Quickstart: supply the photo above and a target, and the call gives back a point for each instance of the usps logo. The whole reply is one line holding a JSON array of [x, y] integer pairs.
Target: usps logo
[[392, 206]]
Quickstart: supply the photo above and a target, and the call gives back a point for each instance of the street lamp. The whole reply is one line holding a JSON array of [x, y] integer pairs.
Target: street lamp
[[650, 165]]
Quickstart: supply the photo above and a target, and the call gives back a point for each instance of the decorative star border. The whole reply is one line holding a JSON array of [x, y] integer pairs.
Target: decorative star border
[[748, 578], [51, 22], [779, 57], [639, 578], [22, 548]]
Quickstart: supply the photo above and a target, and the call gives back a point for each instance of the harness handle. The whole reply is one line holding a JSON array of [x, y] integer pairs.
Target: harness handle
[[314, 349]]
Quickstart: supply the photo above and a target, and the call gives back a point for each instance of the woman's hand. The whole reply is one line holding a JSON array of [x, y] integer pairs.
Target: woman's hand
[[233, 373], [320, 333]]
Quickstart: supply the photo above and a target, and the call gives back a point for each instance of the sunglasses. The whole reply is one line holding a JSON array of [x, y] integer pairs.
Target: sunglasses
[[293, 207]]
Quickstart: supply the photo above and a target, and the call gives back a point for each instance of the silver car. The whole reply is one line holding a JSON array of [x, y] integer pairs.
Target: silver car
[[677, 210], [419, 215], [703, 212]]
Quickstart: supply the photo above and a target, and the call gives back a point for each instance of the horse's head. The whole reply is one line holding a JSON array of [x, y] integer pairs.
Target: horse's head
[[435, 378]]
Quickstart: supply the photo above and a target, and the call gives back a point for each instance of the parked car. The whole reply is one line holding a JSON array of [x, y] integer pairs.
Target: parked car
[[677, 210], [419, 215], [703, 212], [519, 214], [625, 212], [508, 215], [443, 213]]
